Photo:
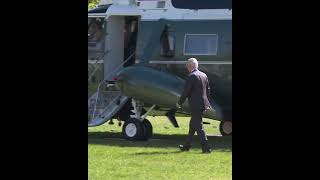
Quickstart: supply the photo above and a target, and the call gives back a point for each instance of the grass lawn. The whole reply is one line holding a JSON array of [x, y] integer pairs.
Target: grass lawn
[[111, 157]]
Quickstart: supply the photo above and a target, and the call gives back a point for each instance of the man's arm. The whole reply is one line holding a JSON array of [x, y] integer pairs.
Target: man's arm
[[186, 90]]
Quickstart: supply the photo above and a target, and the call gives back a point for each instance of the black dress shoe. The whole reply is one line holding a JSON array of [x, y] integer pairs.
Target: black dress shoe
[[205, 148], [184, 148], [207, 151]]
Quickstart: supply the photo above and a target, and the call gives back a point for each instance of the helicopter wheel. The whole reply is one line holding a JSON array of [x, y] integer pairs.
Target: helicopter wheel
[[226, 128], [147, 126]]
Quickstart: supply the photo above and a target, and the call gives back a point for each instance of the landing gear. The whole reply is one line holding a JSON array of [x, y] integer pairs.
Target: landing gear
[[111, 122], [133, 129], [226, 128], [137, 127]]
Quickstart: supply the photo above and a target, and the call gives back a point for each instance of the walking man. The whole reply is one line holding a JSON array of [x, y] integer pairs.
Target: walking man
[[197, 90]]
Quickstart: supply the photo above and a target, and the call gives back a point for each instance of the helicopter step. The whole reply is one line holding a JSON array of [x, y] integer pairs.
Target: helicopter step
[[104, 104]]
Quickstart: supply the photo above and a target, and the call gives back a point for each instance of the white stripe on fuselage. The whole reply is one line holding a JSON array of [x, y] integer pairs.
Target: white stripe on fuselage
[[184, 62], [184, 15], [168, 62]]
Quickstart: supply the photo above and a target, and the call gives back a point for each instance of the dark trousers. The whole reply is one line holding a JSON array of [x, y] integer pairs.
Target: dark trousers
[[196, 126]]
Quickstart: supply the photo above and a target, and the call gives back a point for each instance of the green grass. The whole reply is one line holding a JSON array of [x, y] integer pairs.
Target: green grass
[[113, 158]]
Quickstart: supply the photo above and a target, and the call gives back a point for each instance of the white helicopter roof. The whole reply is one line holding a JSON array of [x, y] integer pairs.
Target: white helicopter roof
[[123, 10], [117, 2], [156, 9]]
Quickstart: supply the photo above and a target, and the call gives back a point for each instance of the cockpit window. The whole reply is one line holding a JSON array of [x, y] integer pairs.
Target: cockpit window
[[96, 31]]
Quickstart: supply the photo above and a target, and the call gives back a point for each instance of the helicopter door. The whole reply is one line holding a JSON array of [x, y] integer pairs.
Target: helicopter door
[[114, 44], [120, 42]]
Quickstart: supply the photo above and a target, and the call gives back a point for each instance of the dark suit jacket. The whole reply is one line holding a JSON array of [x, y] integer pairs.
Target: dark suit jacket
[[197, 90]]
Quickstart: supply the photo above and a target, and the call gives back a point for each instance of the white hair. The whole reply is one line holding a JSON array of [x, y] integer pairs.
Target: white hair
[[193, 61]]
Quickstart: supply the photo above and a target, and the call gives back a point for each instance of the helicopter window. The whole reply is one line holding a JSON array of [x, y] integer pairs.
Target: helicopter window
[[161, 4], [95, 32], [201, 44], [167, 48]]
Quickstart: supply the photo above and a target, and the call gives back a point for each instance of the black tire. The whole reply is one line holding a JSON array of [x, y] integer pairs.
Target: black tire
[[226, 128], [148, 130], [132, 129]]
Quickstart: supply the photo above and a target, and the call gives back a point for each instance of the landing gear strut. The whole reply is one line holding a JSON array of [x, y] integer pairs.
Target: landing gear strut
[[137, 127]]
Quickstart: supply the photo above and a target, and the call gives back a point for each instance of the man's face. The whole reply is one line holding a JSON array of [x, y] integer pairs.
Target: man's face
[[189, 67]]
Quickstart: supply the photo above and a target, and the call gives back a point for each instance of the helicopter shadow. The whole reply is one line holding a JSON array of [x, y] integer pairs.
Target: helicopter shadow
[[157, 141]]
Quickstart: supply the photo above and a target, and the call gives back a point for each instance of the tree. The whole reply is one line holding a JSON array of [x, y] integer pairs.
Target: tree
[[92, 3]]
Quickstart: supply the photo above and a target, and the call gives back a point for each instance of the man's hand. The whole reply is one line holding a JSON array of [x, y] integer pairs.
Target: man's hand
[[178, 106]]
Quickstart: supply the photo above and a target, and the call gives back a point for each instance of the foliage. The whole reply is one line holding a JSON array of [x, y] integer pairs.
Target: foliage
[[92, 3]]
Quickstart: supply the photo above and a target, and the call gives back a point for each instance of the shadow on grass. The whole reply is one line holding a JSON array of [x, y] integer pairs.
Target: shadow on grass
[[156, 153], [157, 141], [164, 153]]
